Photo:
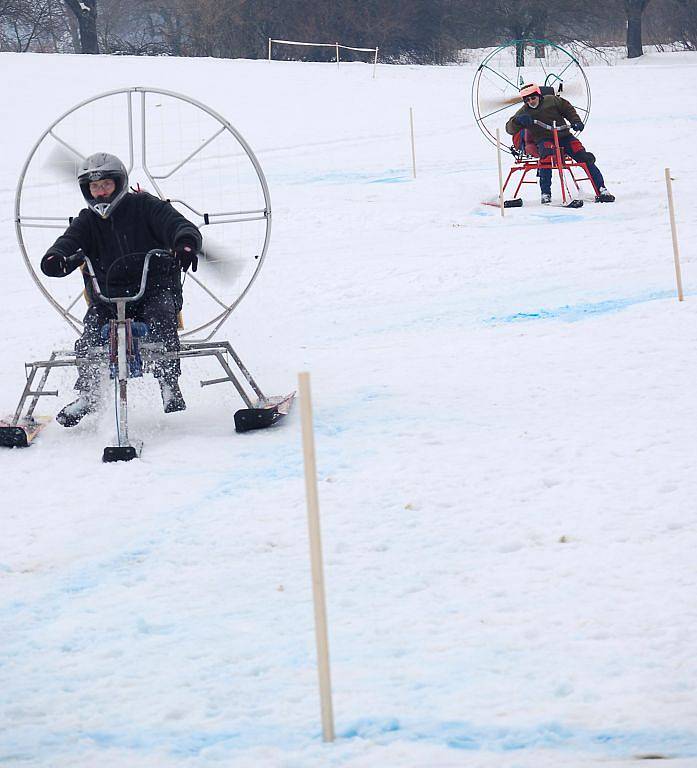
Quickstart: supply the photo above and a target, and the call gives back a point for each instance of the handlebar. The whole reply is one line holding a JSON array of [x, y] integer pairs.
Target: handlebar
[[81, 257], [552, 127]]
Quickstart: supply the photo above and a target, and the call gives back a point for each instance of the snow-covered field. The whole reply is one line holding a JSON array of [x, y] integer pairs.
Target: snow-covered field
[[505, 418]]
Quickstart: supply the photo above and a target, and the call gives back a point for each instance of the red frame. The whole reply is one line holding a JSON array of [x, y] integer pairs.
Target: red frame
[[559, 161]]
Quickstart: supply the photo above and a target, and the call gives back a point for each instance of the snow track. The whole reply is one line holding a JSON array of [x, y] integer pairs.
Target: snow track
[[504, 417]]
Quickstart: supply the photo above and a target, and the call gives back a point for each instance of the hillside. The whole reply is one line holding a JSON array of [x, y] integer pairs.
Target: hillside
[[504, 415]]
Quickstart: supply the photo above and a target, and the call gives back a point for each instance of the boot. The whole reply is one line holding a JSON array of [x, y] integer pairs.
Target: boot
[[77, 410], [546, 198], [172, 398], [604, 196]]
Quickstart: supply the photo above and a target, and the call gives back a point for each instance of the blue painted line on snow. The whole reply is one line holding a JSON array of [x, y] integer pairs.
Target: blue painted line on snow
[[455, 735], [466, 736], [458, 313], [388, 176], [283, 463], [572, 313], [390, 180], [557, 218]]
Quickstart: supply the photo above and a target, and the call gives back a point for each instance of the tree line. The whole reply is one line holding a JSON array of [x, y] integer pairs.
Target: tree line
[[406, 31]]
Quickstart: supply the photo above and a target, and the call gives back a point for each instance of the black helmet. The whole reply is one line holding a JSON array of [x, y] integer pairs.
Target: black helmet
[[100, 166]]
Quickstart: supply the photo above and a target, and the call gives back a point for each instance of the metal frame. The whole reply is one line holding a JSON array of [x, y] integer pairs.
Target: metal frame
[[209, 218], [151, 353], [558, 161], [551, 78], [527, 164], [122, 351]]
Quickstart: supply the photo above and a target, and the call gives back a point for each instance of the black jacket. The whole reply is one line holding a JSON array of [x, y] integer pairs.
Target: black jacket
[[139, 223]]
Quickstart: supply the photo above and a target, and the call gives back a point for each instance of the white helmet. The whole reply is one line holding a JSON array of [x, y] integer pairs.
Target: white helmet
[[100, 166]]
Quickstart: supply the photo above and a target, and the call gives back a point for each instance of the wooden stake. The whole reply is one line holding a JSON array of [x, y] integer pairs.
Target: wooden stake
[[674, 232], [498, 157], [413, 151], [325, 685]]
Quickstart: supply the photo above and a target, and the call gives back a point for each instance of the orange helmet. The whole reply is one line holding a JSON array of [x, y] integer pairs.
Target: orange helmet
[[529, 90]]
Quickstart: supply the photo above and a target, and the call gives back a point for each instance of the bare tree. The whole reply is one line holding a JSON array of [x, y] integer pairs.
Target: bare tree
[[85, 12], [498, 21], [634, 10], [419, 31], [33, 18], [687, 20], [33, 25], [60, 36], [127, 26], [169, 25]]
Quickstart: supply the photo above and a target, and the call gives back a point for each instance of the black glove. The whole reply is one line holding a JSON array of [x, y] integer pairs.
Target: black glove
[[57, 265], [577, 126], [185, 251], [524, 120]]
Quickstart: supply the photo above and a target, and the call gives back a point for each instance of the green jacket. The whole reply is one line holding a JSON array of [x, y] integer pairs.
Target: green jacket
[[550, 109]]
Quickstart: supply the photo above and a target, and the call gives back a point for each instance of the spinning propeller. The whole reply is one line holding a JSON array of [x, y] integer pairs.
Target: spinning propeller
[[492, 101]]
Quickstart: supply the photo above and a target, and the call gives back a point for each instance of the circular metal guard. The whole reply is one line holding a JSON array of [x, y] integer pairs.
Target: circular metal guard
[[495, 96], [177, 149]]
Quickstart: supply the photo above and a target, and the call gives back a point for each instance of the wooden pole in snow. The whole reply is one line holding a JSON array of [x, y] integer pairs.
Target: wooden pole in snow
[[413, 151], [498, 157], [325, 685], [674, 233]]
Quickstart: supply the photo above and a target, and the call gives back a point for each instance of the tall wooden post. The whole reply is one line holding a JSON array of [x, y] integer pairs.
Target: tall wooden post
[[498, 158], [674, 233], [321, 635], [413, 150]]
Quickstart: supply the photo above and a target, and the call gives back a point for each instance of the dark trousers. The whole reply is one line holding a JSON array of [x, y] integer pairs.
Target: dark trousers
[[572, 147], [157, 309]]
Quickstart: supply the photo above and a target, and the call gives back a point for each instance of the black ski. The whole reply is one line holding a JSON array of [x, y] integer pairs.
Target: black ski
[[119, 453], [516, 202], [21, 434], [264, 414]]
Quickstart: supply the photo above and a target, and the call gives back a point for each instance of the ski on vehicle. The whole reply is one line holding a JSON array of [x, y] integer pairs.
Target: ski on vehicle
[[263, 414], [21, 433], [122, 452], [516, 202]]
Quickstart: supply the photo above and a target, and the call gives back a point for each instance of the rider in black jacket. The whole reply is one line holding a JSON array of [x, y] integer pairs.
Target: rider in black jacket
[[115, 231]]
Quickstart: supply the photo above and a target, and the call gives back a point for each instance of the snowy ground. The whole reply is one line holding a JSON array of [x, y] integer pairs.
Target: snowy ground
[[505, 425]]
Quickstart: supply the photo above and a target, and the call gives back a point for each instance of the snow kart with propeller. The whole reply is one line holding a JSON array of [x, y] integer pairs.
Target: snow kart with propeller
[[175, 145], [495, 96], [127, 354]]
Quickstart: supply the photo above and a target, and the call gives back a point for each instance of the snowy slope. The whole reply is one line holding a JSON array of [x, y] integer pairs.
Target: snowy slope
[[504, 416]]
